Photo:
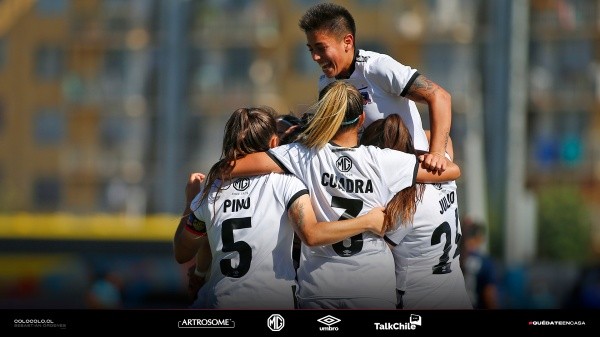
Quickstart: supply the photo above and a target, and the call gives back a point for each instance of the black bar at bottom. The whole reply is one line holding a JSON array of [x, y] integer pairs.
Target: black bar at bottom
[[301, 322]]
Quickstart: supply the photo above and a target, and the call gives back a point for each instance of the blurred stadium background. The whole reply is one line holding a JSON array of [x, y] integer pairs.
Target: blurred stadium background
[[106, 106]]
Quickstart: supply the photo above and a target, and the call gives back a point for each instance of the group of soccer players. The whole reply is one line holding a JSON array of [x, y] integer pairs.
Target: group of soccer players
[[371, 236]]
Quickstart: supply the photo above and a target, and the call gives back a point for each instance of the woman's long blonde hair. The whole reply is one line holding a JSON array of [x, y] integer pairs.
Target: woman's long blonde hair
[[339, 107]]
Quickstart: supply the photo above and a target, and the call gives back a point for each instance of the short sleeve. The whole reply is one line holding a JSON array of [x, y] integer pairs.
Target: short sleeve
[[391, 75], [398, 169]]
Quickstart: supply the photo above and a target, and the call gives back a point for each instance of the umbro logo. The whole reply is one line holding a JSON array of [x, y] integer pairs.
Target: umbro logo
[[329, 321]]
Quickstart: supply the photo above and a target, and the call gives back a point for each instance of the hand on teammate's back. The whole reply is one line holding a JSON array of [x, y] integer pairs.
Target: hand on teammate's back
[[376, 218]]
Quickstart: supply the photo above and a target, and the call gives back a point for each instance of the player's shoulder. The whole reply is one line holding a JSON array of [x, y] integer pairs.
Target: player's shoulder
[[372, 57], [283, 177], [282, 181], [374, 152], [376, 155], [386, 153], [284, 148], [368, 149], [441, 187]]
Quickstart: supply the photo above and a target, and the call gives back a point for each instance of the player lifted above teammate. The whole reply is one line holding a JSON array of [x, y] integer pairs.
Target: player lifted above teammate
[[358, 272], [387, 86]]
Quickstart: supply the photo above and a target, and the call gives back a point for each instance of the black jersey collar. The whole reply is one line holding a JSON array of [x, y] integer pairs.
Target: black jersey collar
[[352, 66]]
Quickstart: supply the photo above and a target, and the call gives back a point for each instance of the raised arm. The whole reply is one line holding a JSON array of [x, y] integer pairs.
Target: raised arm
[[186, 243], [439, 102], [314, 233], [449, 147], [255, 164]]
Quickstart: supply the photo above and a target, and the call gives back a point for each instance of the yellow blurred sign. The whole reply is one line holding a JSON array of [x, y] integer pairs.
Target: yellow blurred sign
[[88, 227]]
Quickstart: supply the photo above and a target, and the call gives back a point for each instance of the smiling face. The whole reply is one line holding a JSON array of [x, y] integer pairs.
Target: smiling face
[[334, 55]]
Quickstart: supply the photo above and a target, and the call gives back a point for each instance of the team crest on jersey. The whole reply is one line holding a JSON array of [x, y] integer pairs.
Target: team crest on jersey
[[344, 163], [241, 184], [362, 58]]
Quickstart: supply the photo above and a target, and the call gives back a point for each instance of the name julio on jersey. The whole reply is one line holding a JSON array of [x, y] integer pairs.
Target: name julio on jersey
[[347, 184], [446, 202]]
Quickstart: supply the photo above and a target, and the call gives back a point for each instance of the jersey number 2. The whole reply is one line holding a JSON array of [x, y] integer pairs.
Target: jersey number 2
[[443, 267]]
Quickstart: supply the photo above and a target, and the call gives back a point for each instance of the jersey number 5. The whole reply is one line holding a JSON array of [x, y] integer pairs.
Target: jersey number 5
[[241, 247]]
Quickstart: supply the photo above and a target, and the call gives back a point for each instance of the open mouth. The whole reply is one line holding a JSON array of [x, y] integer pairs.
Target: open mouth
[[326, 67]]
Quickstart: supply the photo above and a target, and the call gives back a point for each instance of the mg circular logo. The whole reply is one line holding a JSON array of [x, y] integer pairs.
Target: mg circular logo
[[344, 164], [241, 184], [275, 322]]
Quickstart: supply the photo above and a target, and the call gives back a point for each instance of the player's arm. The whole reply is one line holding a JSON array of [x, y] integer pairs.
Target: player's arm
[[198, 273], [425, 175], [188, 238], [449, 147], [314, 233], [203, 257], [439, 101], [190, 231], [255, 164]]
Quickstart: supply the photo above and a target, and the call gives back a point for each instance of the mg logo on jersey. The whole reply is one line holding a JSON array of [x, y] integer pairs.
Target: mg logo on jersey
[[344, 164], [241, 184], [329, 321], [275, 322]]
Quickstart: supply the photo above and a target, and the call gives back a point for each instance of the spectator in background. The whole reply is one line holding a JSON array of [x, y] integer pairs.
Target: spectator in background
[[586, 292], [478, 267], [105, 291]]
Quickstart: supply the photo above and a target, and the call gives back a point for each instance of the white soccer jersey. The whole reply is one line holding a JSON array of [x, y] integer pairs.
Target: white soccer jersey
[[427, 253], [344, 183], [383, 82], [251, 242]]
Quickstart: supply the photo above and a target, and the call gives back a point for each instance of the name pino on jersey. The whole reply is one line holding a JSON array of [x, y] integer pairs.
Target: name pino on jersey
[[235, 205], [347, 184]]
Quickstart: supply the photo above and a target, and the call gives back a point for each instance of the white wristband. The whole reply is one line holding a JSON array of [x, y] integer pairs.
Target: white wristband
[[199, 273]]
